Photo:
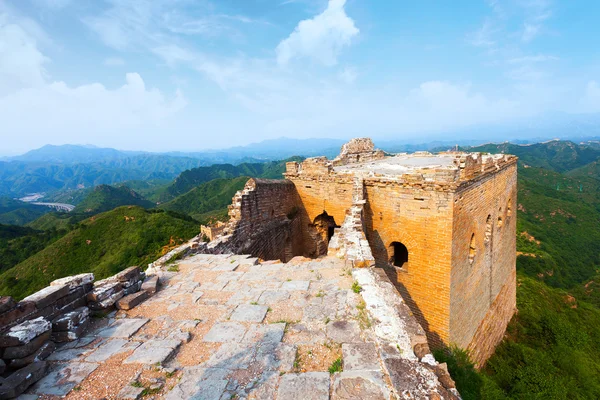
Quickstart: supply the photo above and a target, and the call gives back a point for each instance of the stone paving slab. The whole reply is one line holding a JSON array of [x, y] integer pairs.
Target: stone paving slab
[[153, 352], [296, 285], [231, 355], [225, 332], [111, 348], [352, 385], [123, 328], [276, 356], [200, 384], [249, 313], [360, 356], [344, 331], [306, 386], [63, 378], [265, 333], [269, 297]]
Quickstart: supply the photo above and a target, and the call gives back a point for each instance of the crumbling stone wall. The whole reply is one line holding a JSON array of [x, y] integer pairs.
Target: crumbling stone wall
[[264, 222], [357, 151]]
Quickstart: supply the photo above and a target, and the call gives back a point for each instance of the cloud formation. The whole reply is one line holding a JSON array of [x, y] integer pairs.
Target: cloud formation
[[321, 38], [32, 105]]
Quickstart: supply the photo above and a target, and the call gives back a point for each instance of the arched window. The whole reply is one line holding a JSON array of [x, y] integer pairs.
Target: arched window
[[472, 249], [509, 208], [488, 228], [398, 254], [500, 221]]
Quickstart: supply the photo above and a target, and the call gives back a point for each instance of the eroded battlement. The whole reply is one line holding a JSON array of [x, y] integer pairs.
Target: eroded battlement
[[442, 171]]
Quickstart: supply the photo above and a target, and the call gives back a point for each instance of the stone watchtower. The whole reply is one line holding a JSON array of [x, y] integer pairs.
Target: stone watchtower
[[442, 226]]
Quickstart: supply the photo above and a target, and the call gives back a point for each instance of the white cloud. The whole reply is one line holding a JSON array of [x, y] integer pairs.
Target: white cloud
[[21, 63], [532, 59], [321, 38], [348, 75], [114, 62], [34, 108], [484, 36], [537, 12]]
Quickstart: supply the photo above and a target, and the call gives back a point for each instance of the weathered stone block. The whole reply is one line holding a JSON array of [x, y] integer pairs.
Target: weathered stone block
[[128, 274], [73, 333], [132, 300], [74, 281], [106, 303], [20, 380], [47, 295], [103, 290], [28, 348], [70, 320], [133, 288], [25, 332], [41, 354], [20, 311], [150, 285]]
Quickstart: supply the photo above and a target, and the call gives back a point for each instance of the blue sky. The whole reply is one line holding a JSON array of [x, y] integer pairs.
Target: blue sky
[[194, 74]]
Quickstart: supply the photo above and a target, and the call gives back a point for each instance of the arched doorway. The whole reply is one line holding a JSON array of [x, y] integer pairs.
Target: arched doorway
[[323, 229], [398, 254]]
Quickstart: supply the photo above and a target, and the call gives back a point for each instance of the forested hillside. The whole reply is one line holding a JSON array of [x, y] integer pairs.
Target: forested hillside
[[552, 346], [103, 244], [194, 177], [15, 212]]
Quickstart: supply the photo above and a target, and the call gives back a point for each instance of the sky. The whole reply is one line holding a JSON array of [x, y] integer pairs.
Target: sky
[[164, 75]]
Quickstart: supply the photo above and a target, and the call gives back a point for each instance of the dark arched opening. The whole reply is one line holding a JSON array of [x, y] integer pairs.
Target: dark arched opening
[[398, 254], [324, 228]]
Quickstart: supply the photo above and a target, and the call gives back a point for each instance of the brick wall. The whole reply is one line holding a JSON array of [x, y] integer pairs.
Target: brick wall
[[264, 221], [422, 221], [483, 261]]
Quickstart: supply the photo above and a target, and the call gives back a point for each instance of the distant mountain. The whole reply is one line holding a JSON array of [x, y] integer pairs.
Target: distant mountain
[[105, 198], [69, 154], [104, 244], [18, 178], [206, 198]]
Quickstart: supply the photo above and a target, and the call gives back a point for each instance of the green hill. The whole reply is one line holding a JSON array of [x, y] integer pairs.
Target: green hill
[[16, 212], [557, 155], [19, 243], [196, 176], [105, 198], [103, 244], [206, 198], [56, 220], [551, 351]]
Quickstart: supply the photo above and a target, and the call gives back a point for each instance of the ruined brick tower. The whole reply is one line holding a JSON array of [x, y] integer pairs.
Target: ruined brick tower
[[442, 227]]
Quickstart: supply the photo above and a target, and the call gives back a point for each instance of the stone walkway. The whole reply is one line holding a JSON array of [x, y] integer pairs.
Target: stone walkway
[[226, 327]]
